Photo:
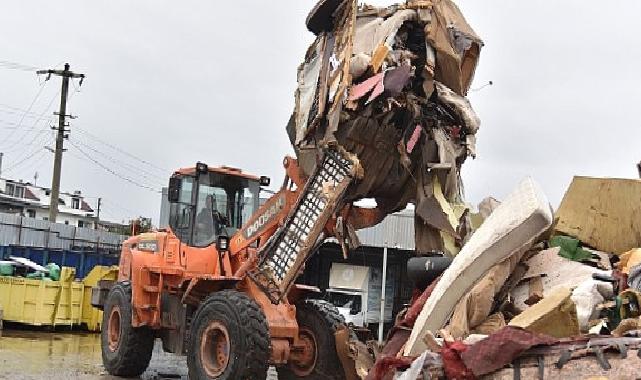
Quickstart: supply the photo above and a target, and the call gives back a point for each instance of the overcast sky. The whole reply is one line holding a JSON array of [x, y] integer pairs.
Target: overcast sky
[[172, 83]]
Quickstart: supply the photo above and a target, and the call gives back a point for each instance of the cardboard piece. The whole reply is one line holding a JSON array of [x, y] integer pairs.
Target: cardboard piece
[[604, 213], [554, 315]]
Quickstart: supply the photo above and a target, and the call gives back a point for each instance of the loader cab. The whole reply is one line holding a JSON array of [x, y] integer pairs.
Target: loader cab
[[206, 203]]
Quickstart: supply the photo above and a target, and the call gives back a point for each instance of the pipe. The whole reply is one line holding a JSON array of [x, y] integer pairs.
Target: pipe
[[382, 316]]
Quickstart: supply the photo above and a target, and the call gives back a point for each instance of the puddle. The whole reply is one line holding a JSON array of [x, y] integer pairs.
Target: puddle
[[56, 355], [27, 355]]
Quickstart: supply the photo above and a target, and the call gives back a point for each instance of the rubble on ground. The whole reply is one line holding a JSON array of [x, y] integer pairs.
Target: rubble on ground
[[546, 305], [528, 291]]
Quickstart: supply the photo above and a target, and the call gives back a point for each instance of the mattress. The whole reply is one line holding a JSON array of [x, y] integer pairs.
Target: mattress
[[514, 226]]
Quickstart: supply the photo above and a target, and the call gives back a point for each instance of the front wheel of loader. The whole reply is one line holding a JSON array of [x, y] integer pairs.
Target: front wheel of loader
[[229, 339], [317, 323], [126, 350]]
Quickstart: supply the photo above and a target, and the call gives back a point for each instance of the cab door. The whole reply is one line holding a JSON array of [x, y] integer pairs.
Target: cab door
[[181, 212]]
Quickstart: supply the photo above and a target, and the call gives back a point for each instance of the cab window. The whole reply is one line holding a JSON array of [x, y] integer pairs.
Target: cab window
[[181, 211], [224, 203]]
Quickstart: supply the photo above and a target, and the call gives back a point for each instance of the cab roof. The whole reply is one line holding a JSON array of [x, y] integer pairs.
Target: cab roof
[[225, 170]]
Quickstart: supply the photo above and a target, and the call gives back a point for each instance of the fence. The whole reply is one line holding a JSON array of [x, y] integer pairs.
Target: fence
[[43, 242], [16, 230]]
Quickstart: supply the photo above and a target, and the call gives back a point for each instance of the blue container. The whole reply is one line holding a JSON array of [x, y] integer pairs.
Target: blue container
[[83, 261]]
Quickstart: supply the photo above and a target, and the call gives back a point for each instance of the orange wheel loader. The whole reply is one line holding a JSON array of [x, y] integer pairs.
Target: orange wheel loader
[[218, 285]]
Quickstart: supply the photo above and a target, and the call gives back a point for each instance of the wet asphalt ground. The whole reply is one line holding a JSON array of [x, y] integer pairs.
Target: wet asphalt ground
[[59, 355]]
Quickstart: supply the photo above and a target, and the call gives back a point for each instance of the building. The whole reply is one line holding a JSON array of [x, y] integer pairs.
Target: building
[[395, 234], [23, 198]]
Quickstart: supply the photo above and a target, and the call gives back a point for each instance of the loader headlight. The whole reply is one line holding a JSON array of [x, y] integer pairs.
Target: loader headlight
[[201, 167], [222, 243]]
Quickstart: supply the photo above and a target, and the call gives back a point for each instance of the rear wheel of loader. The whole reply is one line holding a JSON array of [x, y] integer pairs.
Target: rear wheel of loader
[[317, 323], [229, 339], [126, 350]]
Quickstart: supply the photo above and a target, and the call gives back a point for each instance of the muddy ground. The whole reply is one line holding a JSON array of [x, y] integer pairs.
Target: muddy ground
[[64, 355]]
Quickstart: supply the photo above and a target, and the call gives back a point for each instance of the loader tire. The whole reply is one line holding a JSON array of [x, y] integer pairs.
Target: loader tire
[[126, 350], [229, 339], [318, 320]]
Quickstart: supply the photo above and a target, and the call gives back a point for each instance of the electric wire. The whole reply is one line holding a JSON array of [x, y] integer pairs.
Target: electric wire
[[105, 201], [96, 138], [151, 177], [43, 129], [17, 109], [18, 163], [111, 171], [32, 163], [17, 66], [42, 87], [40, 139]]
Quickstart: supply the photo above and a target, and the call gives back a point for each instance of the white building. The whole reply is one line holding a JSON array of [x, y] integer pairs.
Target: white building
[[23, 198]]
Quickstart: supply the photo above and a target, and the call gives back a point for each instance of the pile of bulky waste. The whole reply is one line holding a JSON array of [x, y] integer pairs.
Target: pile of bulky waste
[[529, 291], [388, 85], [532, 294]]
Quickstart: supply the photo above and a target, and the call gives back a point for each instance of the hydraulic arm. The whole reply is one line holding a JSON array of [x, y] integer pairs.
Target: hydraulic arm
[[283, 256]]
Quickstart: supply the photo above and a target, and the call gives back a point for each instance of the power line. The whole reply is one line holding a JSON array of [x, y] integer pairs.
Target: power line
[[18, 163], [42, 87], [41, 131], [36, 137], [156, 179], [37, 140], [33, 163], [17, 66], [15, 125], [104, 167], [12, 125], [96, 138], [15, 108]]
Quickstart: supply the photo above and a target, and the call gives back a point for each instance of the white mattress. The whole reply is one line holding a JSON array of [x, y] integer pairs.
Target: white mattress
[[512, 227]]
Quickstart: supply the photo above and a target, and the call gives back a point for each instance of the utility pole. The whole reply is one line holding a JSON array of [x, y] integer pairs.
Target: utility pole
[[60, 138], [97, 214]]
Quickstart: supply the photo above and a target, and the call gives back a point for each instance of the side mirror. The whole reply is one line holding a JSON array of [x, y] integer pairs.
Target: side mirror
[[264, 180], [173, 193], [222, 243]]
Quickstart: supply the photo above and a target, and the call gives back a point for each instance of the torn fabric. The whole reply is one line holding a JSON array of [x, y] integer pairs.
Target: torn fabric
[[501, 348]]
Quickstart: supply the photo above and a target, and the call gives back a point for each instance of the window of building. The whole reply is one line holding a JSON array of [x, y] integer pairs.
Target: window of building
[[75, 203], [31, 213], [66, 222], [81, 223], [45, 218], [14, 190]]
